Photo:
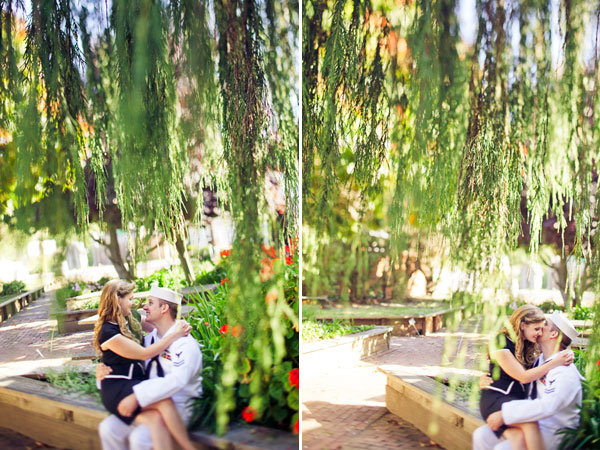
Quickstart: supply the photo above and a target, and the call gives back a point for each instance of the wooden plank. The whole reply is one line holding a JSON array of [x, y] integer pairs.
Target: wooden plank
[[418, 400], [33, 408], [39, 427]]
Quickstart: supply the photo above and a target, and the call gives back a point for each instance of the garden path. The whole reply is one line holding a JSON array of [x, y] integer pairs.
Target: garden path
[[344, 406], [29, 341]]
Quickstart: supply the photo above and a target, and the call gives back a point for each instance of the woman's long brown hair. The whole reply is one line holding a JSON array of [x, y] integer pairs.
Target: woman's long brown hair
[[109, 309], [525, 351]]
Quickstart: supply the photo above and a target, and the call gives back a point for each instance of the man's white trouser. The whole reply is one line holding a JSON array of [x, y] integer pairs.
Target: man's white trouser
[[485, 439], [116, 435]]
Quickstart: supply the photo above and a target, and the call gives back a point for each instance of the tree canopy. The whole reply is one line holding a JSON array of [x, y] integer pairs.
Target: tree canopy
[[467, 122]]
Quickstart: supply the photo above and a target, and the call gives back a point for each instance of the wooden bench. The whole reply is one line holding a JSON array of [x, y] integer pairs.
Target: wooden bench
[[424, 403], [13, 305], [407, 325], [322, 300], [70, 421]]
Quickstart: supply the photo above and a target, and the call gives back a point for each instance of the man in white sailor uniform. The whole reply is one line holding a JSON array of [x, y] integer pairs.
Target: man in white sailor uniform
[[558, 395], [174, 374]]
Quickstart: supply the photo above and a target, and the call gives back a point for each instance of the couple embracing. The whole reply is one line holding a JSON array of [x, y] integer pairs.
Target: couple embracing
[[145, 381], [531, 396]]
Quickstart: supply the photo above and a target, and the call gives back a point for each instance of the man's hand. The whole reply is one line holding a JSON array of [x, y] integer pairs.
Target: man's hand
[[494, 420], [485, 380], [101, 371], [128, 405]]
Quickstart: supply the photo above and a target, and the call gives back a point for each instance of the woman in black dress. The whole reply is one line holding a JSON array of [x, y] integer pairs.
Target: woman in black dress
[[123, 353], [512, 368]]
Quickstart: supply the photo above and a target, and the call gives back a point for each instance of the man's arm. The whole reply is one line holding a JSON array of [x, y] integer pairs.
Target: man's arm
[[560, 390], [185, 367]]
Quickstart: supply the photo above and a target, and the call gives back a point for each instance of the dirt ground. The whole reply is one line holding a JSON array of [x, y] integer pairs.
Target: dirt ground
[[14, 441]]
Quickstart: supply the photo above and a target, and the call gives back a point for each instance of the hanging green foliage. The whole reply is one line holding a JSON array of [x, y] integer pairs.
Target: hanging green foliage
[[345, 122], [123, 112]]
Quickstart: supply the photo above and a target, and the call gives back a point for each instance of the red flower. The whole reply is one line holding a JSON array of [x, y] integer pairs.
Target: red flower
[[207, 324], [598, 363], [297, 427], [288, 260], [293, 377], [248, 414], [224, 280], [224, 329], [225, 253]]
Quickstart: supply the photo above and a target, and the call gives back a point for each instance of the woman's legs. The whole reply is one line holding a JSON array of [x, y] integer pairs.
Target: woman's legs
[[516, 438], [158, 431], [173, 421], [533, 437]]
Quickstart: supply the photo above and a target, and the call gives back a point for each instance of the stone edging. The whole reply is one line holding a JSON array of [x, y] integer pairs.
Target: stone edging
[[422, 402], [49, 415]]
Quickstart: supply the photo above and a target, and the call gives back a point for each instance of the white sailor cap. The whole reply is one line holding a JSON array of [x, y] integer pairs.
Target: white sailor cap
[[165, 294], [563, 324]]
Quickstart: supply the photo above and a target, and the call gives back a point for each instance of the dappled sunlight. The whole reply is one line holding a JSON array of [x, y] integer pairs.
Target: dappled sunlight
[[30, 366], [36, 325]]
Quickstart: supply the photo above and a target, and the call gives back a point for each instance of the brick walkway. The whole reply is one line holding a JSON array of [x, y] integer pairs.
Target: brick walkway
[[29, 341], [343, 407]]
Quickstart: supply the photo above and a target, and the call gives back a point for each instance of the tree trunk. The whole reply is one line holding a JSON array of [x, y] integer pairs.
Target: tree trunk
[[115, 255], [184, 258], [561, 279]]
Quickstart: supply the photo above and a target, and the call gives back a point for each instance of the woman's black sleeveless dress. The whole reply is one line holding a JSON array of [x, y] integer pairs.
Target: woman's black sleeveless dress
[[126, 373], [502, 390]]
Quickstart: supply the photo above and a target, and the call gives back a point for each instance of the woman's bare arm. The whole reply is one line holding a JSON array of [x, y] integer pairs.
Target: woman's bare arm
[[128, 348], [514, 369]]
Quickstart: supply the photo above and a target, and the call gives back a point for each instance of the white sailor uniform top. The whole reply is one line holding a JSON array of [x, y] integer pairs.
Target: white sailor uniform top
[[175, 374], [556, 406]]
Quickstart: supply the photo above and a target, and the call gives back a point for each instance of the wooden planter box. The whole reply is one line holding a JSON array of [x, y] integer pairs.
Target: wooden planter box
[[79, 320], [422, 402], [70, 421], [425, 324], [13, 305]]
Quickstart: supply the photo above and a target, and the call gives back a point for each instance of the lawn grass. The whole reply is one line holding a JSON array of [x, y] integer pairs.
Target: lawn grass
[[311, 311]]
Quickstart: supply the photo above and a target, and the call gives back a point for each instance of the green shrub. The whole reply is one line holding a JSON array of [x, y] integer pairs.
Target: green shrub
[[587, 435], [313, 330], [550, 305], [14, 287], [582, 313], [171, 277], [214, 276]]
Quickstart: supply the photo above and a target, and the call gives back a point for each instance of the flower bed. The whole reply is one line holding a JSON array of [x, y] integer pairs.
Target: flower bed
[[315, 331]]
